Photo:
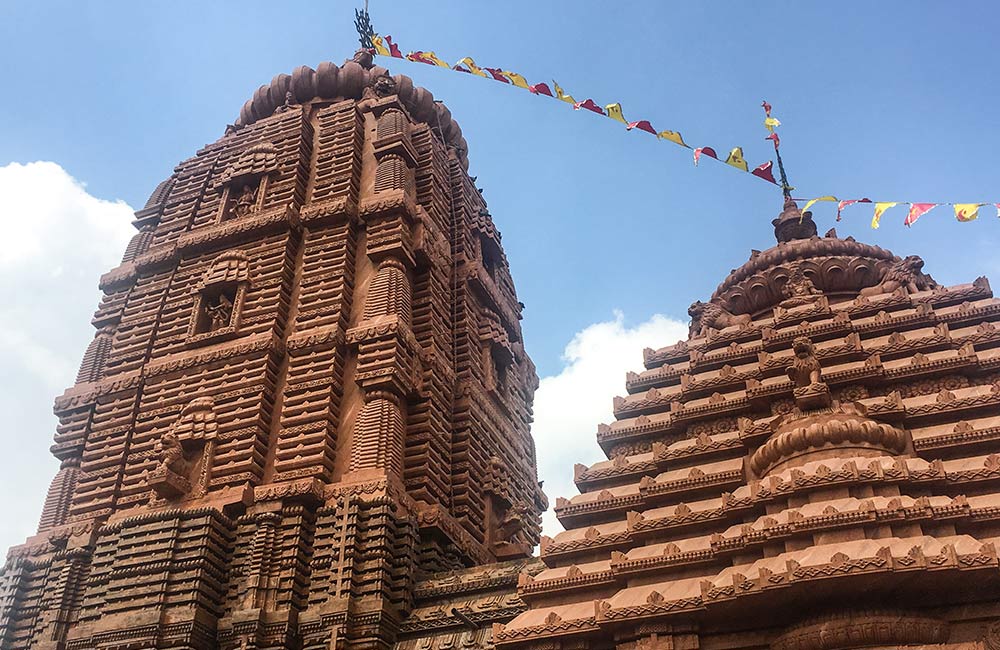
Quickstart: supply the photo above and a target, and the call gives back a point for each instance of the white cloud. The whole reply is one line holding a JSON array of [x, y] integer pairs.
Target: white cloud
[[570, 405], [58, 240]]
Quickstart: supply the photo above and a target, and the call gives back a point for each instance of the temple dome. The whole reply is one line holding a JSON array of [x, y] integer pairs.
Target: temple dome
[[350, 81], [844, 430], [834, 267]]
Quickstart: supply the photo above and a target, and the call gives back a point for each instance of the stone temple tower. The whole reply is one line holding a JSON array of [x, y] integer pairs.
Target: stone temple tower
[[307, 392], [815, 468]]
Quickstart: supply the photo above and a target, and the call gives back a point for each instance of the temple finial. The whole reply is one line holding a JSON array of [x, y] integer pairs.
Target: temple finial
[[792, 223]]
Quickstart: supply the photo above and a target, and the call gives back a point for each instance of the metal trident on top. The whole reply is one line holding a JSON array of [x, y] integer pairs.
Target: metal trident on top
[[363, 23]]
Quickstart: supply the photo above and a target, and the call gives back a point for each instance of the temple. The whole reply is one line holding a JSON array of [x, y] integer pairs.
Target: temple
[[303, 424], [814, 468]]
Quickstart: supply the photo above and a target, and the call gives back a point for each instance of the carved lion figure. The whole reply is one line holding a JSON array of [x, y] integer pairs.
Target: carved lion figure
[[170, 452], [805, 368], [707, 314], [514, 521], [906, 274]]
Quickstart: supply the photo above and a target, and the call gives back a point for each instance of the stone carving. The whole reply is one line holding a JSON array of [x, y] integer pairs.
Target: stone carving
[[903, 274], [364, 58], [513, 522], [805, 372], [799, 289], [168, 479], [245, 201], [384, 86], [170, 453], [220, 312], [706, 315], [805, 369]]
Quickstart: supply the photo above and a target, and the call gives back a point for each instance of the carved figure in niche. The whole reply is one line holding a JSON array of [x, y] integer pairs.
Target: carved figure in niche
[[903, 274], [171, 454], [245, 201], [707, 314], [805, 369], [219, 312], [798, 289]]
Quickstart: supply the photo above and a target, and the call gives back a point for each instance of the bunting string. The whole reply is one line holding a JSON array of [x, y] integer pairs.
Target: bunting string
[[964, 212]]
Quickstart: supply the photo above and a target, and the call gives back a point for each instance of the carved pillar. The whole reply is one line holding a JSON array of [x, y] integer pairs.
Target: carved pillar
[[378, 434], [389, 292], [60, 494], [92, 366]]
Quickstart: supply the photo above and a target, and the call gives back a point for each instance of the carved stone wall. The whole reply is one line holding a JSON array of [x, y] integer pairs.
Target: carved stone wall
[[283, 423], [816, 466]]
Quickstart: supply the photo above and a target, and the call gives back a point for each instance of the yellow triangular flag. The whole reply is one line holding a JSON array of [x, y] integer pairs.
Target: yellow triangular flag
[[673, 136], [615, 112], [473, 68], [561, 95], [380, 47], [516, 79], [811, 202], [967, 211], [770, 123], [735, 158], [879, 209]]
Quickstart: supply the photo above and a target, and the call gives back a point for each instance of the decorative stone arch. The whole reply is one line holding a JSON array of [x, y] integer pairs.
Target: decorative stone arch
[[219, 298]]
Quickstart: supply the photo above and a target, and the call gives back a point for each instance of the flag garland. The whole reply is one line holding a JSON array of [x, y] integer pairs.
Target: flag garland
[[964, 212], [384, 46]]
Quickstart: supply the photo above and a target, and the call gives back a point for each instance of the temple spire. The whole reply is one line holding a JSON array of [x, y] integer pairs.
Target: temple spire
[[792, 223]]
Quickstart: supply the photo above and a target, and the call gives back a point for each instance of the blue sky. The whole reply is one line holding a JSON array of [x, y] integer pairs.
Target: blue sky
[[889, 100], [892, 100]]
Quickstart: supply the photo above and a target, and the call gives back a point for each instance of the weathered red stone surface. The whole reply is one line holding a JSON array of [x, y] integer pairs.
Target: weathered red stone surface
[[814, 468], [303, 423], [307, 396]]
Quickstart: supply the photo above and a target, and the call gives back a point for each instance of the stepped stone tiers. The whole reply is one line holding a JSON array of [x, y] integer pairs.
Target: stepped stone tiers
[[305, 412], [815, 468]]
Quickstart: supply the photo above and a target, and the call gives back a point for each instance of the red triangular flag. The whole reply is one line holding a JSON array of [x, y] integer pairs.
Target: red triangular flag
[[916, 211], [642, 125], [708, 151], [497, 74], [764, 171], [775, 139], [393, 48], [844, 204], [541, 89], [766, 107], [589, 105]]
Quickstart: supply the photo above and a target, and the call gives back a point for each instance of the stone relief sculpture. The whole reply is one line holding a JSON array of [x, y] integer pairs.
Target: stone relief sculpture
[[799, 289], [810, 390], [171, 454], [707, 314], [805, 370], [220, 313], [904, 274], [245, 202]]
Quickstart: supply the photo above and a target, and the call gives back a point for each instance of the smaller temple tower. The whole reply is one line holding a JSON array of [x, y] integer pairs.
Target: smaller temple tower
[[815, 468]]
